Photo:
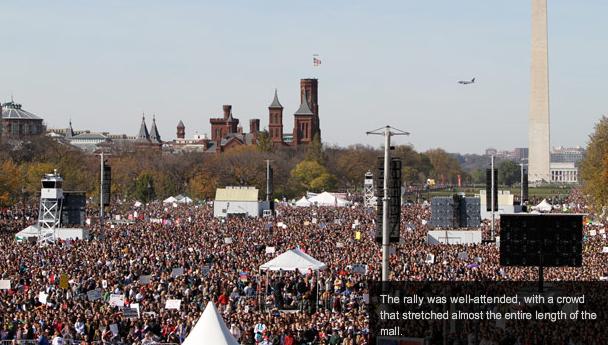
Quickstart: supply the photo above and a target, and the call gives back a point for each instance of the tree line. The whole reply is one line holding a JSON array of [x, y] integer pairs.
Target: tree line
[[146, 174]]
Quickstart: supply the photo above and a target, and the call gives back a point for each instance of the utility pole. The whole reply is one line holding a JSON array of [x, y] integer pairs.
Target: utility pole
[[386, 131], [492, 198]]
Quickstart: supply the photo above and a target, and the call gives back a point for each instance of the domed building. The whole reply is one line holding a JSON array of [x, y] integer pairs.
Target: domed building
[[18, 123]]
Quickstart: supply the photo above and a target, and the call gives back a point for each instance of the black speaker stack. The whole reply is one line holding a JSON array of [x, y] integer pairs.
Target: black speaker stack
[[455, 212]]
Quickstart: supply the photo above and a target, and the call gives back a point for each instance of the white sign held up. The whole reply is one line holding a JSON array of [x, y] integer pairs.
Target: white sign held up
[[173, 304]]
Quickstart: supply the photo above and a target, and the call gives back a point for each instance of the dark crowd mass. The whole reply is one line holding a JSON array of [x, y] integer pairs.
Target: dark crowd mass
[[60, 292]]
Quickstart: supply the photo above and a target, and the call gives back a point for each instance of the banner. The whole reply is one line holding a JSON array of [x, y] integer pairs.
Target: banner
[[359, 268]]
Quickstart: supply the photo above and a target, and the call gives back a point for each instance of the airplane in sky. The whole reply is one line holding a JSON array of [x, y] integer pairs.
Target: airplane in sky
[[466, 82]]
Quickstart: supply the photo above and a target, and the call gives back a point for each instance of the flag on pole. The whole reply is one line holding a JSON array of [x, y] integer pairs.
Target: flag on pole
[[316, 62]]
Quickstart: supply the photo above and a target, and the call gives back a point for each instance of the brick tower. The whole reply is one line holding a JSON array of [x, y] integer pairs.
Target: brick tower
[[275, 120]]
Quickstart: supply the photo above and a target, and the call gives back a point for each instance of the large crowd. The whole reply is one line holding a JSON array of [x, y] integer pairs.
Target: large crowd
[[140, 252]]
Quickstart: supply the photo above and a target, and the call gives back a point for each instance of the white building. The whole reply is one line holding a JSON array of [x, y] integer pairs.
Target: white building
[[564, 172], [241, 201]]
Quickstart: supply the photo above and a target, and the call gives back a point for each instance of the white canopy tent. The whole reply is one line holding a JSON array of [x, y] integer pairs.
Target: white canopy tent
[[328, 199], [303, 202], [169, 200], [544, 206], [210, 329], [184, 200], [292, 260]]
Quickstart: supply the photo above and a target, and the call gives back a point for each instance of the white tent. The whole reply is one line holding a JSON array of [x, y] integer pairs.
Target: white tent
[[328, 199], [210, 329], [184, 200], [544, 206], [303, 202], [292, 260], [169, 200], [30, 231]]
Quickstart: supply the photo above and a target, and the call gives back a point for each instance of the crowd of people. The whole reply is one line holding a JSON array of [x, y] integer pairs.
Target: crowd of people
[[140, 253]]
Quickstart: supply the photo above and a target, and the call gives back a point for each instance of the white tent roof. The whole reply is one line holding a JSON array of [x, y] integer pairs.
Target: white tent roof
[[169, 200], [544, 206], [184, 200], [210, 329], [292, 260], [303, 202], [328, 199], [30, 231]]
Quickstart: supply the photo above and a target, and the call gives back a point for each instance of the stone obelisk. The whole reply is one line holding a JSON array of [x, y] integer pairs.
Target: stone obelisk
[[538, 123]]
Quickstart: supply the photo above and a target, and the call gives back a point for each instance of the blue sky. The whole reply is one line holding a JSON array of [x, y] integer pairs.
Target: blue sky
[[103, 63]]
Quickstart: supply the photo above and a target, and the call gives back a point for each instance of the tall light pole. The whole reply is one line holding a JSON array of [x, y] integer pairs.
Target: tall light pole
[[386, 131], [101, 193], [492, 198], [521, 182]]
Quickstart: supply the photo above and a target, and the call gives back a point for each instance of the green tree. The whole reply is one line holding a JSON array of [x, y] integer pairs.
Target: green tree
[[314, 151], [10, 182], [445, 167], [144, 187], [264, 143], [594, 167], [309, 175], [509, 172]]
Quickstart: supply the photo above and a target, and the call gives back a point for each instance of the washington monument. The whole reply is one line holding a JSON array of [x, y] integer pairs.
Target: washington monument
[[538, 122]]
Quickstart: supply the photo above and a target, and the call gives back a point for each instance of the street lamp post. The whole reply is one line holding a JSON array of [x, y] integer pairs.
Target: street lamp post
[[387, 133]]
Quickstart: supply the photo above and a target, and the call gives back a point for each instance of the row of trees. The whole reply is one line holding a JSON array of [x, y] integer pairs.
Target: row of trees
[[144, 175]]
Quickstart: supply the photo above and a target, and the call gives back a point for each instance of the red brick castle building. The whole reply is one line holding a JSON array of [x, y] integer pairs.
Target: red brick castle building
[[226, 131]]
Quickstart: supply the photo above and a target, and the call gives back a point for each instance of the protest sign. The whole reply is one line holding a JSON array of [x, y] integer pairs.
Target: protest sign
[[173, 304], [339, 245], [228, 240], [177, 271], [605, 250], [130, 313], [117, 300], [145, 279], [359, 268], [5, 284], [357, 235], [270, 250], [114, 329], [94, 295], [430, 259], [63, 281], [42, 297], [463, 256]]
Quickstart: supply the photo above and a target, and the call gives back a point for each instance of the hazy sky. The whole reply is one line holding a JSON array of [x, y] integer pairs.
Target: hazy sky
[[103, 63]]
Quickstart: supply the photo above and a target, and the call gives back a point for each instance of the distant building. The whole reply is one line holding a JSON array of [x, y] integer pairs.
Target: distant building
[[18, 123], [564, 172], [561, 154], [242, 201]]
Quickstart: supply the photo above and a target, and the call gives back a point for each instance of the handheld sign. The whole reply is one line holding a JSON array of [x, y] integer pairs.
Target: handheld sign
[[173, 304], [117, 300]]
